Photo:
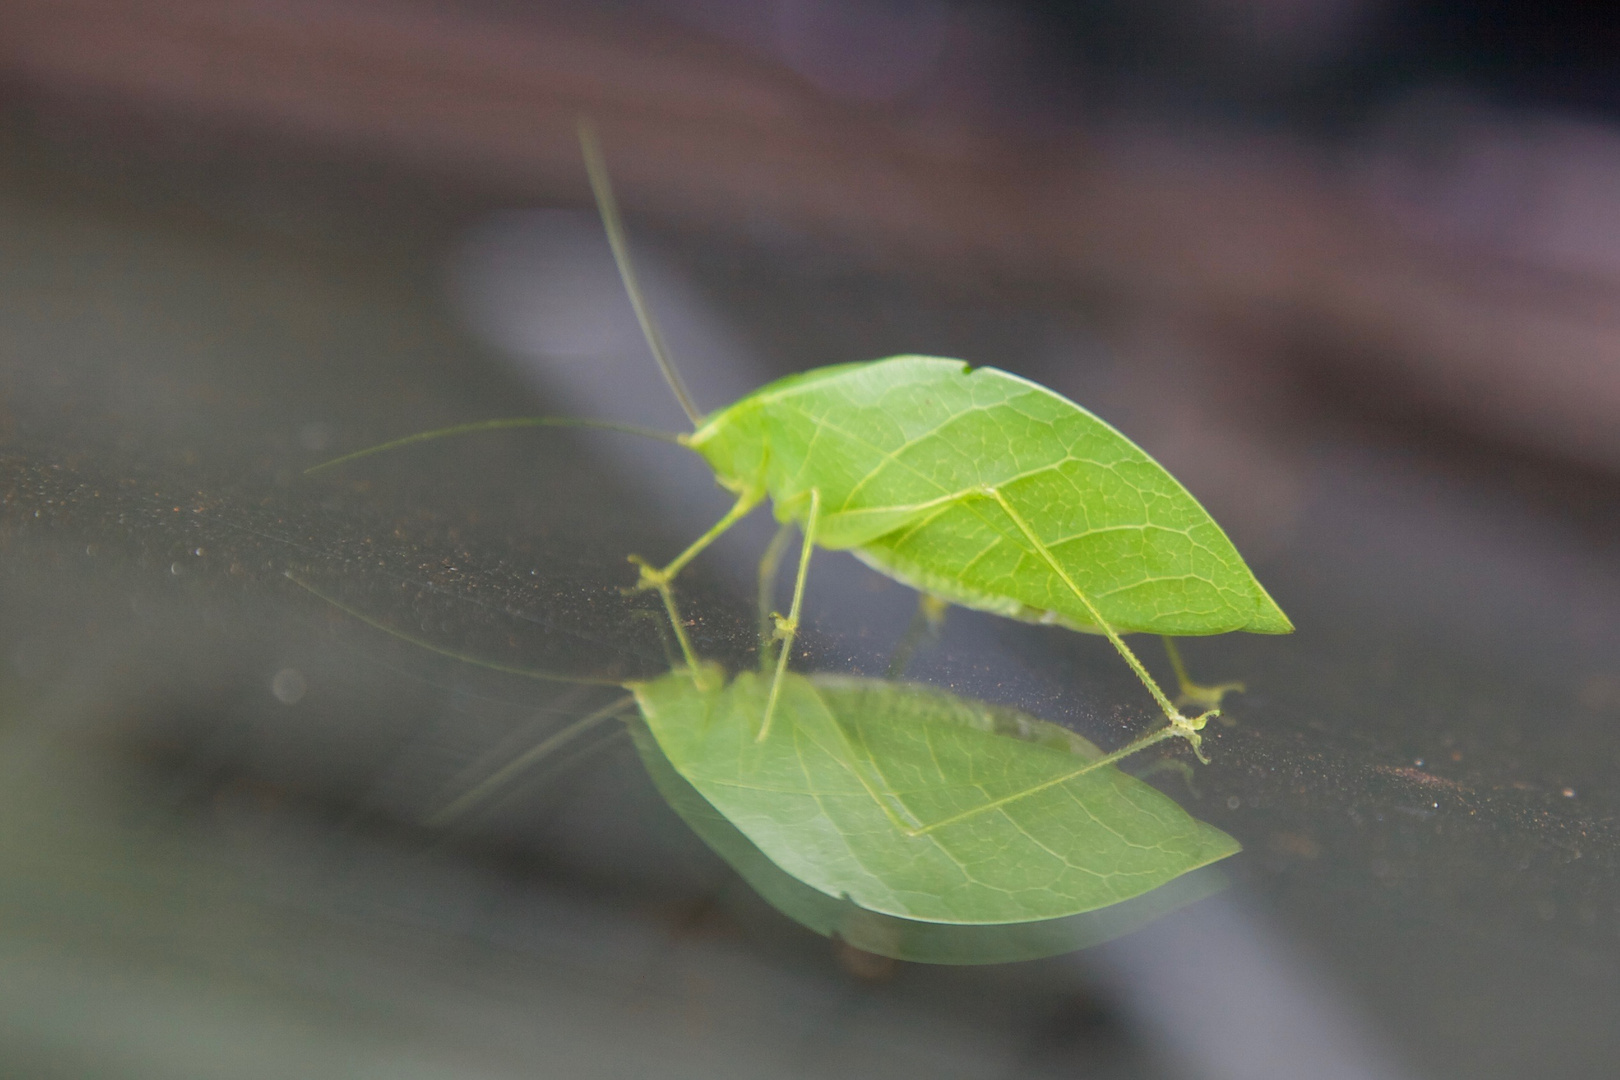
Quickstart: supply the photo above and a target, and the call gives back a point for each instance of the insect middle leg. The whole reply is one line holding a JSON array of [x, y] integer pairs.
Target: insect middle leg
[[788, 628], [769, 566]]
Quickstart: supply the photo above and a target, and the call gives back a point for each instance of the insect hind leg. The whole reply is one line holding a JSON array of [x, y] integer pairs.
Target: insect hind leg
[[1179, 725]]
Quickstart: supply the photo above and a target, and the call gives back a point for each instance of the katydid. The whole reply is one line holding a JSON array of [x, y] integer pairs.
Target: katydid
[[972, 485]]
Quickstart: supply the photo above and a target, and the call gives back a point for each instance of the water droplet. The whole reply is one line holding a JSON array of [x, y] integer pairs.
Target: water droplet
[[288, 685]]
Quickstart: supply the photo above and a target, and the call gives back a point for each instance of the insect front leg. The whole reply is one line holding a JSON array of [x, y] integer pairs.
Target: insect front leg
[[658, 577]]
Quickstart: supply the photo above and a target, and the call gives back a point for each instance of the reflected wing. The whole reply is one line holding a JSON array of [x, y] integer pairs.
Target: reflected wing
[[854, 769]]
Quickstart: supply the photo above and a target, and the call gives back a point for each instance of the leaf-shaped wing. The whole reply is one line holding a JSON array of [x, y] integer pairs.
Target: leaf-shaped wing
[[842, 792], [903, 451]]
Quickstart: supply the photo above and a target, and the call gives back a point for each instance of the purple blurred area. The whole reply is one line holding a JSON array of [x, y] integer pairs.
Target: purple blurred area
[[1450, 262]]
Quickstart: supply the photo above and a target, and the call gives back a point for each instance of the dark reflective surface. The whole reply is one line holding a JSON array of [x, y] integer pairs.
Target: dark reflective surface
[[215, 785]]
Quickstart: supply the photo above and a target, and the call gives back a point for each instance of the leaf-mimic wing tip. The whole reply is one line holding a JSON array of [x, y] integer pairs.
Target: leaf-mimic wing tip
[[1268, 618]]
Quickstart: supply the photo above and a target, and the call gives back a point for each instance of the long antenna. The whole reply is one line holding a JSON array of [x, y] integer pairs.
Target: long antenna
[[495, 425], [596, 168]]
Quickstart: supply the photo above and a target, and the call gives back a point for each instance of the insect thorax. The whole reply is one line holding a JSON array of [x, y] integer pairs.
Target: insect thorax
[[735, 444]]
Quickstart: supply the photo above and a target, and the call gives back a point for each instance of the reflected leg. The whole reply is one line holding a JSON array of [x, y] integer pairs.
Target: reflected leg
[[1206, 697], [925, 626]]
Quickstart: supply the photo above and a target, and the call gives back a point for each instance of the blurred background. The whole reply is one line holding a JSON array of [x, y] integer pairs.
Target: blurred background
[[1348, 268]]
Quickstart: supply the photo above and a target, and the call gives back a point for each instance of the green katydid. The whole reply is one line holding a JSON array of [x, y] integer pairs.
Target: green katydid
[[972, 485], [873, 807]]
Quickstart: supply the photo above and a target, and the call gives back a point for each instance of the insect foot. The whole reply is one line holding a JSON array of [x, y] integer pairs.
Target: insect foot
[[651, 577], [1190, 729]]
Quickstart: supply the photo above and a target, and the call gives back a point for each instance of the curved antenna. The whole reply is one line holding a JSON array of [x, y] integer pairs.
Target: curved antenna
[[495, 425], [596, 168]]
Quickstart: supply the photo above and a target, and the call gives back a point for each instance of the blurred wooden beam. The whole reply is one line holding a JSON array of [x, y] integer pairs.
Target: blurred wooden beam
[[1262, 234]]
